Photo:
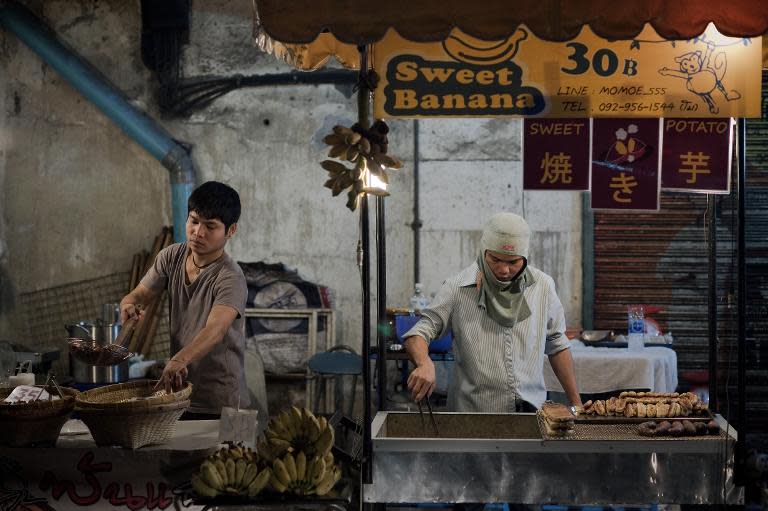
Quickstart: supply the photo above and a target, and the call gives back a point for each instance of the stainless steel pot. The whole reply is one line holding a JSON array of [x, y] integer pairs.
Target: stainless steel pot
[[103, 334], [84, 373]]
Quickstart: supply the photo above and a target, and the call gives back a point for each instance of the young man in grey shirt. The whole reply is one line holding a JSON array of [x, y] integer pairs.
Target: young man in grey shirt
[[207, 292]]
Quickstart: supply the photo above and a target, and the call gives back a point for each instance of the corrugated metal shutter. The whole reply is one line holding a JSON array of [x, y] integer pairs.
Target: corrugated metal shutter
[[661, 259]]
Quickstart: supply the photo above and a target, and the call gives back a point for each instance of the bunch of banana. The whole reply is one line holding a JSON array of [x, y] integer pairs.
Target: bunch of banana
[[295, 430], [304, 476], [232, 470], [347, 144], [367, 150]]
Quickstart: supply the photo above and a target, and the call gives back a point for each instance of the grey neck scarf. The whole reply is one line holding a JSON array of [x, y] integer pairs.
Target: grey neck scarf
[[504, 301]]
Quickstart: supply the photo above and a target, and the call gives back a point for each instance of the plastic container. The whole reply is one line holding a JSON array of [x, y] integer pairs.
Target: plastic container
[[405, 323], [418, 301], [635, 319]]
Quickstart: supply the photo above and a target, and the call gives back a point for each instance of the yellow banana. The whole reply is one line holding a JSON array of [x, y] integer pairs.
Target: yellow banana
[[210, 476], [296, 415], [319, 471], [259, 482], [251, 471], [236, 453], [290, 425], [325, 442], [240, 466], [290, 465], [279, 445], [276, 483], [230, 466], [327, 483], [281, 473], [221, 470], [342, 130], [301, 466], [201, 488], [314, 429]]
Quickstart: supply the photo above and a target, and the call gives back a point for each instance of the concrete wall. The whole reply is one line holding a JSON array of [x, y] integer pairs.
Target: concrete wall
[[79, 198]]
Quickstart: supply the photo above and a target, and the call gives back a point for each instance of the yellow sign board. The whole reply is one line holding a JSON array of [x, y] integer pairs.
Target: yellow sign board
[[709, 76]]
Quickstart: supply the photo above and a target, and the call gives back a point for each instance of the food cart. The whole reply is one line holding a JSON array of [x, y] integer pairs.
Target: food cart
[[473, 465]]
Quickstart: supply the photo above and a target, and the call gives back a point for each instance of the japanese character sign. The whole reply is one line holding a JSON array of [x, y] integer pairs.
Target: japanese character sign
[[556, 154], [625, 164], [697, 155]]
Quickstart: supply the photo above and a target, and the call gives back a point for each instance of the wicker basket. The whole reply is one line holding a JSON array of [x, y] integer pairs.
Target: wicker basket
[[130, 415], [36, 422], [134, 395]]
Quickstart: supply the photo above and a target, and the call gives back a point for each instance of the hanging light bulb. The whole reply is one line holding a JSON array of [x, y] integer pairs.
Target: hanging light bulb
[[373, 181]]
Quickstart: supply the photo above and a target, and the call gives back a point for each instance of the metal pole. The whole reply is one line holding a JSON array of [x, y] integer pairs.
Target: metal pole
[[381, 297], [712, 297], [741, 368], [416, 225], [363, 105]]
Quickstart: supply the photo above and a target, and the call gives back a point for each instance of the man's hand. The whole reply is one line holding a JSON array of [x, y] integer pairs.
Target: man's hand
[[130, 311], [173, 377], [421, 381]]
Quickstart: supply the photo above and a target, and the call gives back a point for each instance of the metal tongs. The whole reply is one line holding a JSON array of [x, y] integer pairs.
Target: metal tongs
[[431, 416]]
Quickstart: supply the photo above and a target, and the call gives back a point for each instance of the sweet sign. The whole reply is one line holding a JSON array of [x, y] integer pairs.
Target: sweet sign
[[556, 154]]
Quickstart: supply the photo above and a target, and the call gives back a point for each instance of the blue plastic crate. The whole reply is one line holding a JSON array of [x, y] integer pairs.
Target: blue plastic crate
[[405, 323]]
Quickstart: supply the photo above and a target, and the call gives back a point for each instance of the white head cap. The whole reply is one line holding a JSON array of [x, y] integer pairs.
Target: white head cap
[[506, 233]]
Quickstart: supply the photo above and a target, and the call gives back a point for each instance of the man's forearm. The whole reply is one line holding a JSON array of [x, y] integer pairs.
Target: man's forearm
[[562, 366], [205, 340], [418, 349]]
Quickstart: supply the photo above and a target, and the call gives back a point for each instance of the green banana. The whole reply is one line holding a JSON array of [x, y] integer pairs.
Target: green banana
[[201, 488]]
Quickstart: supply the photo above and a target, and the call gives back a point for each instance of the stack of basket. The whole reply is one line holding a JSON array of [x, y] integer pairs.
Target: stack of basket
[[36, 422], [132, 414]]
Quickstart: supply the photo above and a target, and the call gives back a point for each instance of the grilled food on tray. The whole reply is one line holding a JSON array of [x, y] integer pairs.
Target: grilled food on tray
[[647, 404], [558, 419], [678, 428]]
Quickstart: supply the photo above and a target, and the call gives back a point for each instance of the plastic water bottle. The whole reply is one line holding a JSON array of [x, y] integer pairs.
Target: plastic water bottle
[[418, 301], [635, 327]]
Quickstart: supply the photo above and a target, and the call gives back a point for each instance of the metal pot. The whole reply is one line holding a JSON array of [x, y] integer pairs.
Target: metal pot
[[103, 334], [84, 373]]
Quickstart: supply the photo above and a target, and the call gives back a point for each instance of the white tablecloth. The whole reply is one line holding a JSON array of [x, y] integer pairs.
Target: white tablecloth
[[610, 369]]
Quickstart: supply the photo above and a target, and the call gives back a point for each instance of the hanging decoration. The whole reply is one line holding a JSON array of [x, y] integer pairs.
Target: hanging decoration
[[367, 150]]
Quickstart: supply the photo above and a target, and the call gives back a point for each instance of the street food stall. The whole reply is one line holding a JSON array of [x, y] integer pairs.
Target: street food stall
[[676, 450], [427, 58]]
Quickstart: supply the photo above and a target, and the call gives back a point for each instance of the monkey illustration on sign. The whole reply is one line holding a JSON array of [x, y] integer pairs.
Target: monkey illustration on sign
[[703, 74]]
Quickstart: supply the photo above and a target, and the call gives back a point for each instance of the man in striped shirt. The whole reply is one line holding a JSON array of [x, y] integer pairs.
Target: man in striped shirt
[[505, 316]]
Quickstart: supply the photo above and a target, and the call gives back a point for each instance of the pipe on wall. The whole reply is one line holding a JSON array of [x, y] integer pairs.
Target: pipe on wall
[[87, 80]]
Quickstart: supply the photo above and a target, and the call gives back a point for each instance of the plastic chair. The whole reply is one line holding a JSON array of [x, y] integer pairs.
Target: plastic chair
[[340, 360]]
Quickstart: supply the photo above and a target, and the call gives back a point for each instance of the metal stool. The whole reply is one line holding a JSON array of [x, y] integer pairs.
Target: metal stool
[[340, 360]]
